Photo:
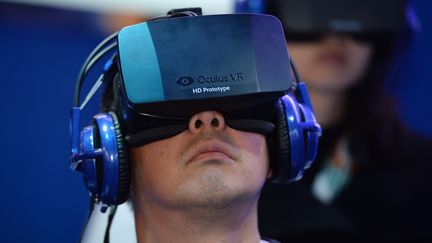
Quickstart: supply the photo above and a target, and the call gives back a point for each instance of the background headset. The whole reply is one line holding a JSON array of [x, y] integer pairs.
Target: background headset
[[355, 16], [100, 152]]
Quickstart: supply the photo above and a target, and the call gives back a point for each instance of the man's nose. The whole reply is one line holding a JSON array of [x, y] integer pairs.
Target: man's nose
[[206, 120]]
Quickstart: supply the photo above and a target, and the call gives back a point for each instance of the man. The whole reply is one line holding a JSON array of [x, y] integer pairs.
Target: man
[[201, 185], [197, 118]]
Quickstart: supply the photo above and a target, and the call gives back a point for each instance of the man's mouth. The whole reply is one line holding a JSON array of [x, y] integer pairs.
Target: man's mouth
[[211, 151]]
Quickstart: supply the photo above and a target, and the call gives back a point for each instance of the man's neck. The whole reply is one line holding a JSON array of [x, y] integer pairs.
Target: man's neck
[[236, 224]]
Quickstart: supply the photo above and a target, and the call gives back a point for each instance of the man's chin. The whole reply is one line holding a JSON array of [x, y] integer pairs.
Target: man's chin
[[215, 189]]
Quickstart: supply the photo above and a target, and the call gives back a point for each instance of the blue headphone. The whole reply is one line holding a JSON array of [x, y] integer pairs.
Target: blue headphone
[[100, 152]]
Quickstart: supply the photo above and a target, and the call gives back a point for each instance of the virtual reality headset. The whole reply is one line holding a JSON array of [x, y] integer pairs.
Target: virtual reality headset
[[173, 68], [317, 16], [165, 70]]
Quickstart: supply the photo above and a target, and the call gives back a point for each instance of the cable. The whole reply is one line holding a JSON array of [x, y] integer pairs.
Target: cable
[[97, 57], [296, 76], [92, 91], [85, 68], [108, 228]]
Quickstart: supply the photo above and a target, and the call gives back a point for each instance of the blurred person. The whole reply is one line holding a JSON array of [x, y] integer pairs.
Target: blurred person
[[371, 179], [183, 148]]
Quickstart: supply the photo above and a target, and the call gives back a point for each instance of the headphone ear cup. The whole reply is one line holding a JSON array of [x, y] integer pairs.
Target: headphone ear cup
[[280, 149], [113, 167], [123, 161], [290, 119], [296, 138]]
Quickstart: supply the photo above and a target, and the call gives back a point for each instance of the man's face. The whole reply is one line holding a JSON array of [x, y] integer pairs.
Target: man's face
[[209, 165]]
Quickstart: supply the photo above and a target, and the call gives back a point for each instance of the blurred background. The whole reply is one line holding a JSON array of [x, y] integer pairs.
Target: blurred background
[[43, 44]]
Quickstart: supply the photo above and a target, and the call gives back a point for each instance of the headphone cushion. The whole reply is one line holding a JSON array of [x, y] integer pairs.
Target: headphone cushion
[[123, 162], [281, 145]]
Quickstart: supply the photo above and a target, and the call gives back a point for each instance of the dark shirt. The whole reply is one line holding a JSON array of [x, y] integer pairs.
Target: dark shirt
[[387, 200]]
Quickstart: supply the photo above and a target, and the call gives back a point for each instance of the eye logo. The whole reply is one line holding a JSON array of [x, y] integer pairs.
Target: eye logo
[[185, 81]]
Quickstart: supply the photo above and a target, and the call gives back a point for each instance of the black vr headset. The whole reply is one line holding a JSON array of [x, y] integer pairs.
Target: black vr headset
[[308, 19], [167, 69]]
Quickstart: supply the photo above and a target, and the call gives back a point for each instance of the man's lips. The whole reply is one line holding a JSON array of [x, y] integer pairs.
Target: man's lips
[[207, 156], [211, 151]]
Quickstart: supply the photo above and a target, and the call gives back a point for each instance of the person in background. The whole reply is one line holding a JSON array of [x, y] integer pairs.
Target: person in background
[[370, 182]]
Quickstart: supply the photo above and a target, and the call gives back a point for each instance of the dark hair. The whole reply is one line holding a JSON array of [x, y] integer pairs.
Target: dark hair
[[372, 118], [108, 97]]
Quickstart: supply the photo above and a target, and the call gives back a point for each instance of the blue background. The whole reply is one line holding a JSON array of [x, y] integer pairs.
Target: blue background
[[41, 52]]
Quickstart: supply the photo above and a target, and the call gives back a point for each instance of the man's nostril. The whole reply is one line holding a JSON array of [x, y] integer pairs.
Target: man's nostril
[[198, 123], [215, 122]]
